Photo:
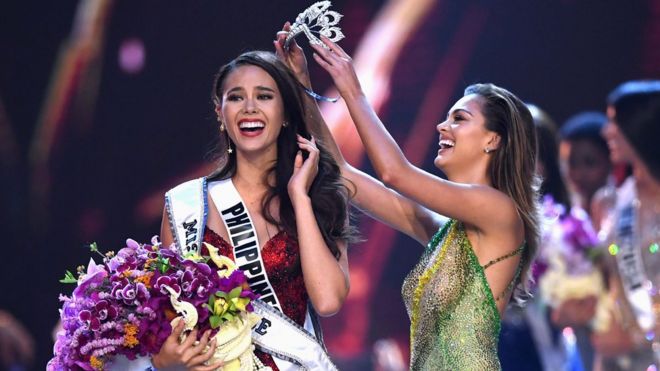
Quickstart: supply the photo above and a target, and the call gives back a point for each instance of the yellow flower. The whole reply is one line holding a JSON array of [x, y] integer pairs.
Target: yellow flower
[[145, 279], [194, 256], [220, 306], [240, 303], [130, 341], [96, 363], [130, 331]]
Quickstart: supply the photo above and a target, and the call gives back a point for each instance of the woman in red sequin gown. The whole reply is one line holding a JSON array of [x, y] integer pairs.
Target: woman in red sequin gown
[[290, 185]]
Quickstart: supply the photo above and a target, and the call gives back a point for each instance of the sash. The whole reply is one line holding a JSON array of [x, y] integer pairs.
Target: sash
[[243, 238], [187, 210], [292, 346], [631, 269]]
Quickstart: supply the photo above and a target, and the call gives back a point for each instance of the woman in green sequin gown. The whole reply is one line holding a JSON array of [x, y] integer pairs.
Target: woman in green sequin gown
[[481, 222]]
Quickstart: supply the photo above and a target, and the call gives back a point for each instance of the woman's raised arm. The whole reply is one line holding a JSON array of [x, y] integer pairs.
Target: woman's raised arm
[[369, 194], [476, 204]]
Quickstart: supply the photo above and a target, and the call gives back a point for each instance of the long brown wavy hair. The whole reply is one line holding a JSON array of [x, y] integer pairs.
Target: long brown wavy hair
[[512, 168], [328, 194]]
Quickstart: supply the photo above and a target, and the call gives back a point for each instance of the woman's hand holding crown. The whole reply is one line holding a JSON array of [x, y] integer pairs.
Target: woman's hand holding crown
[[293, 56], [340, 67]]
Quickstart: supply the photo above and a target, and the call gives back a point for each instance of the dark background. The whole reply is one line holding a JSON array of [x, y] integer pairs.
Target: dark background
[[126, 138]]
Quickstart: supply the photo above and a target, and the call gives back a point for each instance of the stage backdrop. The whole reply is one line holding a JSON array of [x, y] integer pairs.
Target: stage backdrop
[[104, 105]]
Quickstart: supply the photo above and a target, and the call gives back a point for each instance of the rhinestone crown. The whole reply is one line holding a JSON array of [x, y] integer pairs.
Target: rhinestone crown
[[317, 19]]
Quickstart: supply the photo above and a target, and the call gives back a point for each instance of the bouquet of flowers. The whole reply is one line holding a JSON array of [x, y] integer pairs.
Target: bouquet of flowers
[[565, 266], [128, 305]]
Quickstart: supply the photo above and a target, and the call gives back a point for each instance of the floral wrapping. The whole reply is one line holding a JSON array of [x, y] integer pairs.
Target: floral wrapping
[[125, 306], [565, 266]]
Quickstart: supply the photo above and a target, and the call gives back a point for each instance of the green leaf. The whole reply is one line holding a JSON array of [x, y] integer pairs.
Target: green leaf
[[228, 316], [69, 278], [163, 264], [236, 292], [93, 247], [215, 321]]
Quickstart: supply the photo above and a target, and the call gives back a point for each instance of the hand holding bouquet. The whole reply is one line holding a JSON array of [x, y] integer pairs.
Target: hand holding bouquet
[[565, 267], [230, 312], [126, 306]]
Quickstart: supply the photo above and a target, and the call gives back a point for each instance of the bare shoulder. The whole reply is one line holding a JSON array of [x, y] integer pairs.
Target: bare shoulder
[[500, 213], [501, 229]]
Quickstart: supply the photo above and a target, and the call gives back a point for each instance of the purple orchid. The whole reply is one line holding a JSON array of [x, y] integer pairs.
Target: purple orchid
[[235, 279], [121, 307], [568, 235], [172, 282], [124, 259], [94, 277]]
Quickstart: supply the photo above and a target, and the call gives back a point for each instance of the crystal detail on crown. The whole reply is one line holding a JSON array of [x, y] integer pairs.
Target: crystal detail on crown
[[317, 19]]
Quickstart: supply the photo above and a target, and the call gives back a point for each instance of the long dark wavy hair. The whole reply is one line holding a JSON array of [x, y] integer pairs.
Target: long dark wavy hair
[[512, 168], [328, 194], [637, 106]]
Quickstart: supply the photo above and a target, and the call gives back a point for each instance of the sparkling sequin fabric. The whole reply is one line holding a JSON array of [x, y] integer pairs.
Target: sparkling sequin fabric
[[282, 261], [454, 320]]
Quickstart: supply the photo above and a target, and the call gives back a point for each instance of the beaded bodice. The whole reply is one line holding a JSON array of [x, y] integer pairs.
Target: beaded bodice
[[455, 323]]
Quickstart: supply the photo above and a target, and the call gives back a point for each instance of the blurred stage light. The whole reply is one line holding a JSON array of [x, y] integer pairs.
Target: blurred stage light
[[131, 56]]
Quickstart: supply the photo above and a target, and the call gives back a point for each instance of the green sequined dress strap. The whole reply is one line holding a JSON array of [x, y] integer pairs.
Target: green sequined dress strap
[[509, 255], [437, 237], [511, 284]]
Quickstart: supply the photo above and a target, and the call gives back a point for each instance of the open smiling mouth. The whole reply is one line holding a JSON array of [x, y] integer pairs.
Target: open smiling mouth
[[251, 128], [446, 144]]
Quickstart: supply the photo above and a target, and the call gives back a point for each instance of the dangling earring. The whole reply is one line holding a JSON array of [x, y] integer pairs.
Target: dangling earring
[[229, 149], [217, 113], [222, 124]]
